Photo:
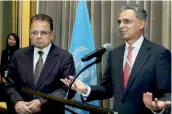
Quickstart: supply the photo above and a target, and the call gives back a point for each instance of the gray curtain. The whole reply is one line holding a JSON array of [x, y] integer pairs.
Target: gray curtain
[[5, 22], [103, 16]]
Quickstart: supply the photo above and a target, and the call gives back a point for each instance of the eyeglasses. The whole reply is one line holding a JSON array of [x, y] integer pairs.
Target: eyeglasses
[[36, 33]]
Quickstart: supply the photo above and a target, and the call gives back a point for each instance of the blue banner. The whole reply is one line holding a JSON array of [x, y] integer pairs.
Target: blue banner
[[82, 43]]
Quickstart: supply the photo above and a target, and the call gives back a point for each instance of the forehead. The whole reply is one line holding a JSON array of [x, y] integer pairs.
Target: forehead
[[127, 14], [40, 25], [11, 37]]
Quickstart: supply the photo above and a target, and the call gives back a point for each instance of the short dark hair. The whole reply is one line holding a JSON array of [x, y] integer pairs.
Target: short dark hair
[[42, 17], [140, 12]]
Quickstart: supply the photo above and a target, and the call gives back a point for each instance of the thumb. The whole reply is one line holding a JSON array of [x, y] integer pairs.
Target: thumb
[[156, 102]]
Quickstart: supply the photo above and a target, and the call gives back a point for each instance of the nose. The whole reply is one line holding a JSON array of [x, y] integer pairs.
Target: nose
[[121, 25], [39, 35]]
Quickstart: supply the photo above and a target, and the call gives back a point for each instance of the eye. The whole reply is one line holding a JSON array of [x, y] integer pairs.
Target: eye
[[44, 32], [34, 32], [127, 21]]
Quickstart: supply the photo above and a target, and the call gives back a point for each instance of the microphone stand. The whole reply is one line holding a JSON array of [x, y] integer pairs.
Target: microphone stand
[[98, 60]]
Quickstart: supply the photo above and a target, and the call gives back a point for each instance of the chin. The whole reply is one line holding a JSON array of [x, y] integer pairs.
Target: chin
[[125, 38], [39, 46]]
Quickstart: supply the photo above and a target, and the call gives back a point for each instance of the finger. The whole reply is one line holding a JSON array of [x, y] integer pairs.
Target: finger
[[166, 103], [71, 77], [65, 81], [30, 106], [156, 101], [150, 94], [144, 97], [74, 86], [156, 105], [28, 103], [27, 110], [35, 110], [21, 111]]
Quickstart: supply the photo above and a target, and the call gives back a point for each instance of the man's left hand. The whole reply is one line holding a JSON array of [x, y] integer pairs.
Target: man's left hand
[[155, 105]]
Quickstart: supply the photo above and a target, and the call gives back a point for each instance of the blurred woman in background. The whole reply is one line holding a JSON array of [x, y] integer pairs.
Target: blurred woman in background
[[12, 45]]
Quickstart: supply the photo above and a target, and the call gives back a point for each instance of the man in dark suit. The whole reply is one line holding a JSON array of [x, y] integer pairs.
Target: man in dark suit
[[136, 67], [39, 67]]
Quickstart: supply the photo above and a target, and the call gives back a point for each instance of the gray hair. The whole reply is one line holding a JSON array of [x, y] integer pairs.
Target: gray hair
[[140, 12]]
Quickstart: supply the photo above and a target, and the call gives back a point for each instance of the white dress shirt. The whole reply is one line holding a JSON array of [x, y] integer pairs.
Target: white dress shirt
[[134, 52], [44, 56]]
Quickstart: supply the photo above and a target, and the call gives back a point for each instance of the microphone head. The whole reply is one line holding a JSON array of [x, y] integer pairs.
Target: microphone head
[[107, 46]]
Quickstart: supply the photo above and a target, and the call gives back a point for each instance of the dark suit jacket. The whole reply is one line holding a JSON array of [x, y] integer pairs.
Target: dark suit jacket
[[59, 64], [151, 72]]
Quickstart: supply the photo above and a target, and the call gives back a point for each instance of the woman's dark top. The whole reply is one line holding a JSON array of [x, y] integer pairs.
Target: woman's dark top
[[5, 59]]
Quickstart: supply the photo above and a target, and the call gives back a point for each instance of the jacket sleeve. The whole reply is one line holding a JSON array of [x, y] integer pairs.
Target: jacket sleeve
[[163, 74], [104, 90], [10, 88]]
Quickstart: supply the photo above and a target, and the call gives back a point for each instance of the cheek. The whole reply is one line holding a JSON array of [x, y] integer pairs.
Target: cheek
[[32, 40], [134, 29], [9, 41], [48, 40], [14, 42]]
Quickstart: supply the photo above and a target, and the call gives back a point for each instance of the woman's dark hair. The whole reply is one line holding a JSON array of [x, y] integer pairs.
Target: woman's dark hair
[[16, 37]]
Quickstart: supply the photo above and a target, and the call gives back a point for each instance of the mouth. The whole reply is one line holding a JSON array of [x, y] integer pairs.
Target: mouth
[[123, 32], [39, 42], [11, 44]]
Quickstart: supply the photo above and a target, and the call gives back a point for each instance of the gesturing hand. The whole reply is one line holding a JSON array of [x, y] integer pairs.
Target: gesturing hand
[[155, 105], [78, 85]]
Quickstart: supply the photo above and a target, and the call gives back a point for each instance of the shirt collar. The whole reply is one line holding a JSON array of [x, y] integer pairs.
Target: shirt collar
[[136, 44], [45, 50]]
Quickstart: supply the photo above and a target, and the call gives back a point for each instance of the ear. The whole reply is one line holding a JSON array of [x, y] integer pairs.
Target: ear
[[52, 35], [142, 24]]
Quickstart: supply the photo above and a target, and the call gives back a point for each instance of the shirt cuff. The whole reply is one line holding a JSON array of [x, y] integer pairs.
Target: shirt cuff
[[86, 94], [158, 112]]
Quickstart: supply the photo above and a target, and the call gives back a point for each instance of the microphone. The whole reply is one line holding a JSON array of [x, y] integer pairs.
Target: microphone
[[97, 52]]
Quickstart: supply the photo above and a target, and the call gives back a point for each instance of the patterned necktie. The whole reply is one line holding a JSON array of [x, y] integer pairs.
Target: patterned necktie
[[38, 67], [127, 67]]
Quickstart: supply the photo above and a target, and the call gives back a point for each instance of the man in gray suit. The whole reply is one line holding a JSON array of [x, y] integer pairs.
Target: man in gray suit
[[39, 67], [136, 67]]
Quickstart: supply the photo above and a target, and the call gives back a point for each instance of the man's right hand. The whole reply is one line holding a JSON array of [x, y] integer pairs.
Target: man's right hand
[[21, 107], [78, 85]]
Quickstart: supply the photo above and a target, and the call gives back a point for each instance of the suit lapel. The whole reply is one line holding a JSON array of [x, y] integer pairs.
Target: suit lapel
[[48, 65], [141, 59], [28, 63], [120, 65]]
